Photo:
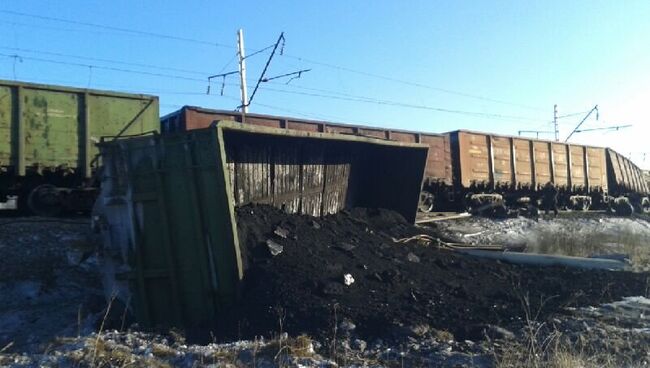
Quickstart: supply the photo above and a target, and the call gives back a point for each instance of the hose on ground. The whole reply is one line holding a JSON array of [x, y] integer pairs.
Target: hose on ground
[[428, 240]]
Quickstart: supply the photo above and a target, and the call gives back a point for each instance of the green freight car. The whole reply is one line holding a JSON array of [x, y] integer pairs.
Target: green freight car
[[48, 134]]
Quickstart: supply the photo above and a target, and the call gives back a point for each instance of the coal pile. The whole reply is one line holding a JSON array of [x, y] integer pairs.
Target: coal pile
[[344, 274]]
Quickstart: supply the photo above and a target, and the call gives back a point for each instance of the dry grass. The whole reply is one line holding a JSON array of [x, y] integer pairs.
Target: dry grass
[[561, 353], [541, 345], [577, 242], [101, 353]]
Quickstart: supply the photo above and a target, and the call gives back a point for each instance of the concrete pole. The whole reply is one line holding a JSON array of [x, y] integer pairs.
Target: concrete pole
[[242, 71]]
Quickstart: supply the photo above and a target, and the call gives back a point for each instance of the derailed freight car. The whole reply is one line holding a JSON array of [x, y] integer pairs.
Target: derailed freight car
[[166, 210], [47, 141], [471, 170], [438, 171]]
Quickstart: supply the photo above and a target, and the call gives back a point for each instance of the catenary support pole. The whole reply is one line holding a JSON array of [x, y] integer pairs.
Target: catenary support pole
[[242, 71]]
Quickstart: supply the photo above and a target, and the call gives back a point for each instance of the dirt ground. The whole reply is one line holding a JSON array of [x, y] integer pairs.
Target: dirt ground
[[47, 289], [339, 291]]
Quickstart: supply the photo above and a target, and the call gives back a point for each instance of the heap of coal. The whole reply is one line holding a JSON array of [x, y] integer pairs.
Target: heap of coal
[[299, 273]]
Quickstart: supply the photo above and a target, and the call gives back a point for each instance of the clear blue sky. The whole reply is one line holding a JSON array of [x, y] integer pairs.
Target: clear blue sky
[[503, 64]]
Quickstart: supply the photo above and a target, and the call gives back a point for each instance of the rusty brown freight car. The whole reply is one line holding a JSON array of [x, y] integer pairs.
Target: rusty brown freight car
[[438, 171], [624, 176], [496, 161], [519, 167]]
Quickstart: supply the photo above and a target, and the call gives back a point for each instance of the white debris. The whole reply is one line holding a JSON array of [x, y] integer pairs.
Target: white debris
[[281, 232], [348, 279], [274, 248]]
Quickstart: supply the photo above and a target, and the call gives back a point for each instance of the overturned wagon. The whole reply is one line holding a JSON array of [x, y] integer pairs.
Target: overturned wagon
[[166, 208], [437, 183]]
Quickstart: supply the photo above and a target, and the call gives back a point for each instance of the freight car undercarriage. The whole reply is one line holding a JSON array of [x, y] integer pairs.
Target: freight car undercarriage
[[501, 200], [48, 192]]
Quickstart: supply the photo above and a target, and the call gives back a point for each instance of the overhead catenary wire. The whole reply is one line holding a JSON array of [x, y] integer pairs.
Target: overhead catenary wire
[[408, 105], [411, 83], [173, 76], [299, 58], [117, 29], [102, 60], [362, 99], [267, 80], [331, 93]]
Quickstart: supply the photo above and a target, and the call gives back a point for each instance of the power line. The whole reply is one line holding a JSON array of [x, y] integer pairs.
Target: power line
[[104, 68], [401, 104], [572, 114], [315, 62], [80, 57], [410, 83], [110, 61], [117, 29], [362, 99]]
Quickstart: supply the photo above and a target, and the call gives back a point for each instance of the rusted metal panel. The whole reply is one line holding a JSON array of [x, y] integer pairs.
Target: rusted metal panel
[[448, 173], [577, 166], [626, 175], [542, 156], [523, 163], [561, 164], [337, 129], [626, 172], [303, 126], [403, 136], [501, 155], [616, 168], [474, 159], [439, 157], [376, 133], [597, 168], [637, 177], [631, 175], [271, 123]]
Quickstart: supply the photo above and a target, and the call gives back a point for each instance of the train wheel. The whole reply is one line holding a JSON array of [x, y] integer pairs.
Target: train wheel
[[426, 201], [645, 205], [45, 200]]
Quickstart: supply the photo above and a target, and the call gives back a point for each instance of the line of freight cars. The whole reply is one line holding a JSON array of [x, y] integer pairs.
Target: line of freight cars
[[468, 170], [48, 155], [48, 137]]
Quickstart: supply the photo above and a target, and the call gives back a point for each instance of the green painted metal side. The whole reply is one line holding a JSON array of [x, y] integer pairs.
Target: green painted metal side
[[53, 127], [185, 258]]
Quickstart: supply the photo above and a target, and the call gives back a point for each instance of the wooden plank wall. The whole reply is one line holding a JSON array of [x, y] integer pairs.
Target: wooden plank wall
[[297, 178]]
